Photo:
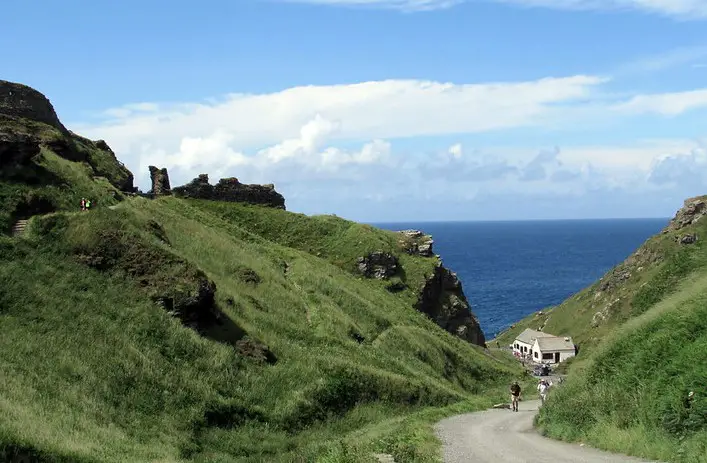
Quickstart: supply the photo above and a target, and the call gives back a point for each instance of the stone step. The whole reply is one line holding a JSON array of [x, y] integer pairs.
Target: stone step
[[19, 227]]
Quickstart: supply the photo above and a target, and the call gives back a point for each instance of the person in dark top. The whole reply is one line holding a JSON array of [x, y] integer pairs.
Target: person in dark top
[[515, 395]]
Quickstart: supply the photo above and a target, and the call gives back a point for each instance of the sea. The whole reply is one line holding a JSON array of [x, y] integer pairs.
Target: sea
[[511, 269]]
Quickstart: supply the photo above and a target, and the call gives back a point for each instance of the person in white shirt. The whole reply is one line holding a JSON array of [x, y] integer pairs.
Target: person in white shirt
[[543, 386]]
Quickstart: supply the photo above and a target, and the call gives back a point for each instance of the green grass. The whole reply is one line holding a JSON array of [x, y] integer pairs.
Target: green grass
[[655, 271], [53, 183], [629, 397], [628, 384], [91, 369]]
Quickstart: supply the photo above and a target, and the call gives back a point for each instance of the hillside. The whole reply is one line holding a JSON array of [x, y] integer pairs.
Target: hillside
[[160, 328], [642, 333], [647, 276]]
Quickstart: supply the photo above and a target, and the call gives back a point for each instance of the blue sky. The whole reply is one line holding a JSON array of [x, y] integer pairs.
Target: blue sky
[[388, 110]]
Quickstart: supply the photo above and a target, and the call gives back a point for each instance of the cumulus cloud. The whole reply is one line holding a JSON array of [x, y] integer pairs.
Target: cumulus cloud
[[684, 9], [368, 110], [328, 145], [680, 169]]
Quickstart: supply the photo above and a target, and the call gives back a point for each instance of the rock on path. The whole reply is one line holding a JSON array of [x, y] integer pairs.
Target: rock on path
[[501, 435]]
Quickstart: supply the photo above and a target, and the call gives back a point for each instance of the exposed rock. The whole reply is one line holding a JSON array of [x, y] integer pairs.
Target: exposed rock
[[604, 313], [690, 238], [195, 306], [160, 181], [126, 181], [693, 209], [19, 100], [249, 347], [231, 190], [414, 242], [16, 149], [378, 265], [443, 300]]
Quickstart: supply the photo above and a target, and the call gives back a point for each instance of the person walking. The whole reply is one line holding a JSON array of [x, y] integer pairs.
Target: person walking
[[543, 386], [515, 395], [83, 204]]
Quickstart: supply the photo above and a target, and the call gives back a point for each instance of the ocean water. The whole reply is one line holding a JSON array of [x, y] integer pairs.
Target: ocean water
[[512, 269]]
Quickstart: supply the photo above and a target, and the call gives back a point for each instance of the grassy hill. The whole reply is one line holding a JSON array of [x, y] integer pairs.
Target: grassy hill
[[631, 288], [642, 331], [186, 330]]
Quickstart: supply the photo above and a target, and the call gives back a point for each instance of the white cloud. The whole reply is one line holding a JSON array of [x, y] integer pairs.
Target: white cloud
[[325, 144], [683, 9], [369, 110], [667, 104], [456, 151]]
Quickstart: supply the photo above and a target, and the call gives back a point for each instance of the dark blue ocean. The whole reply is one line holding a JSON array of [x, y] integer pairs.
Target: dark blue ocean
[[512, 269]]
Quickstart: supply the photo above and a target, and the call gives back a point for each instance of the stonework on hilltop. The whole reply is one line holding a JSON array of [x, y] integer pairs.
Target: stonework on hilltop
[[19, 100], [443, 300], [414, 242], [160, 181], [231, 190], [693, 209]]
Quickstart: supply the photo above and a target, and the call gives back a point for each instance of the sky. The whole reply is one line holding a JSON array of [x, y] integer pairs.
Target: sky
[[388, 110]]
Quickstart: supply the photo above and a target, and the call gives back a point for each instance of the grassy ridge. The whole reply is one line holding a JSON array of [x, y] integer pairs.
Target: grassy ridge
[[630, 396], [92, 370]]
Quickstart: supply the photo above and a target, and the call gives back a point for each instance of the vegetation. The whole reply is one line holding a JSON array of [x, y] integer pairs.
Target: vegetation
[[640, 357], [173, 330]]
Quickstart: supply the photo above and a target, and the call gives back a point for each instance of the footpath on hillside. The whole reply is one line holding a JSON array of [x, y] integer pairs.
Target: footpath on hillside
[[500, 435], [19, 228]]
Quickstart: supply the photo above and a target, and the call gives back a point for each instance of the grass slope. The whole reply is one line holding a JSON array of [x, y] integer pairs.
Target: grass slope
[[626, 291], [51, 182], [91, 369], [643, 332]]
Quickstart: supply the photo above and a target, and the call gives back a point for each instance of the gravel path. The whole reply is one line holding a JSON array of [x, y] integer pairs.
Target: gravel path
[[495, 436]]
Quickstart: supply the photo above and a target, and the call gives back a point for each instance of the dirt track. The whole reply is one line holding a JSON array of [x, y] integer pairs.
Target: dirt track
[[496, 436]]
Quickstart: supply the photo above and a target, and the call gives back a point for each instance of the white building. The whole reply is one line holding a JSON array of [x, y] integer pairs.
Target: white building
[[543, 347], [553, 349], [525, 340]]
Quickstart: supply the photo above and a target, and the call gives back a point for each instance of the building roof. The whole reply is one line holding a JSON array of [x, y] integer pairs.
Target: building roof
[[555, 343], [529, 336]]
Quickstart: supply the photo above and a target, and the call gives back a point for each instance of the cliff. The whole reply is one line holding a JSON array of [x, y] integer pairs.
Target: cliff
[[44, 167], [443, 300], [231, 190], [21, 101]]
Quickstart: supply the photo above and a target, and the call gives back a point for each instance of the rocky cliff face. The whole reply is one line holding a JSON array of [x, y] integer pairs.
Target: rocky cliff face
[[231, 190], [443, 300], [19, 100], [28, 122]]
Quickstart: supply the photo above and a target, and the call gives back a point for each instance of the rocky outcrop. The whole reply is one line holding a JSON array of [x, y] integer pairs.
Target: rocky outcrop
[[28, 122], [693, 210], [690, 238], [442, 299], [160, 181], [195, 306], [414, 242], [378, 265], [16, 149], [231, 190], [19, 100]]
